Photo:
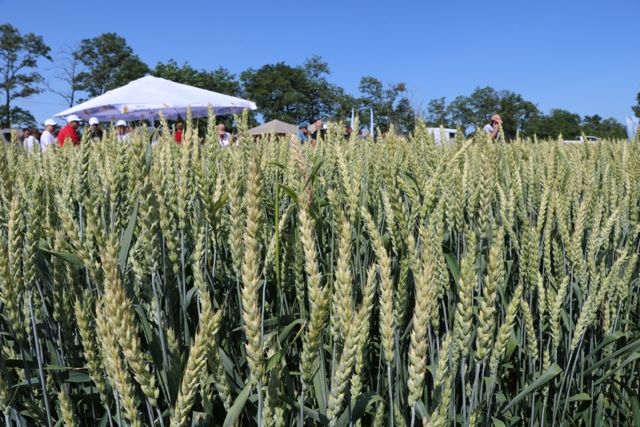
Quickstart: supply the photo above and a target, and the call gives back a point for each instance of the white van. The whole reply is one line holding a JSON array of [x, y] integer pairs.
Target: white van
[[582, 140], [438, 134]]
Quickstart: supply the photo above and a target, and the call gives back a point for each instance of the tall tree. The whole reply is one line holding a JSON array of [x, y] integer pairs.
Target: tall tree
[[438, 113], [278, 89], [474, 109], [515, 112], [461, 113], [110, 63], [19, 55], [322, 99], [477, 108], [389, 105], [218, 80], [404, 116], [484, 101], [67, 69], [636, 108], [602, 128], [295, 94], [557, 122]]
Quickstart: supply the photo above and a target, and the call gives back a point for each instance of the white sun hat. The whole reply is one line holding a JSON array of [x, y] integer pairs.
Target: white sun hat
[[121, 123], [73, 118], [50, 122], [94, 121]]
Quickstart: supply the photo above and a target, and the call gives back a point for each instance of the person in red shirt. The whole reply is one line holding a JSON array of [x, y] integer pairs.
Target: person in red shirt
[[178, 134], [69, 131]]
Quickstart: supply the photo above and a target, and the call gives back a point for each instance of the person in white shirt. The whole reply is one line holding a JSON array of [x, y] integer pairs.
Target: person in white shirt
[[224, 137], [47, 138], [23, 135], [493, 128], [121, 131], [30, 142]]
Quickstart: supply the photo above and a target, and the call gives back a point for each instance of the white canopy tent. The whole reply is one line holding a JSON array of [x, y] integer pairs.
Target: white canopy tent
[[147, 97]]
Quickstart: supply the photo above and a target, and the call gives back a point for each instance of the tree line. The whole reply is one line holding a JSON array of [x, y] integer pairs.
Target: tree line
[[519, 115], [281, 91]]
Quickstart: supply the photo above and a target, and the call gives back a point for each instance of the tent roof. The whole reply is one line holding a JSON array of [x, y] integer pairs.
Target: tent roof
[[274, 126], [147, 97]]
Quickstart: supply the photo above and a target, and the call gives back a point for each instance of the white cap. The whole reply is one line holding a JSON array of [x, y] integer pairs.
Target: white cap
[[50, 122], [94, 121], [121, 123], [73, 118]]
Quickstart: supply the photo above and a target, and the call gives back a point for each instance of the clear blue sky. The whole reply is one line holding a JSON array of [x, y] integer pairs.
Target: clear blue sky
[[580, 55]]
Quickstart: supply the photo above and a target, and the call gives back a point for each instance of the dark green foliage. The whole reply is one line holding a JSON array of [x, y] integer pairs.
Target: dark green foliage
[[110, 63], [19, 56], [218, 80]]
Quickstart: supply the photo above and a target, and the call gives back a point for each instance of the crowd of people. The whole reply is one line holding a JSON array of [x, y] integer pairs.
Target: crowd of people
[[33, 140], [310, 132], [225, 139], [54, 136]]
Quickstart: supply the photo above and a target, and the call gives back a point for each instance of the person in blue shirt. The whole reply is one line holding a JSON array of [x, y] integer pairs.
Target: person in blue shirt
[[303, 132]]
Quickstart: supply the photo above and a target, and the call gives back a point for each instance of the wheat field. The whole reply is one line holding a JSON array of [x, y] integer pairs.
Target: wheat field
[[352, 283]]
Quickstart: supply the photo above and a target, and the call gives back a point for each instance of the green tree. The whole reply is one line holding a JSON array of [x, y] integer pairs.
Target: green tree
[[461, 113], [294, 94], [321, 98], [611, 128], [636, 108], [477, 108], [438, 113], [219, 80], [389, 105], [590, 124], [404, 116], [110, 63], [515, 111], [278, 91], [602, 128], [19, 55], [484, 102], [557, 122]]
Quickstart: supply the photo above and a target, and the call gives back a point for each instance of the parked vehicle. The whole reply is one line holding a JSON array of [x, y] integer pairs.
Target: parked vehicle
[[443, 135], [582, 139]]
